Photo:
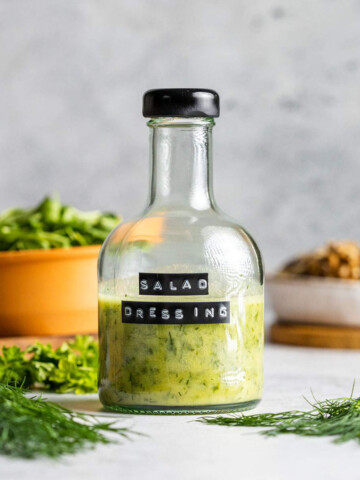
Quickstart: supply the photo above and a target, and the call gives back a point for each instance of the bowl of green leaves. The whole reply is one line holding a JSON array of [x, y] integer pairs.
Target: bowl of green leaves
[[48, 261]]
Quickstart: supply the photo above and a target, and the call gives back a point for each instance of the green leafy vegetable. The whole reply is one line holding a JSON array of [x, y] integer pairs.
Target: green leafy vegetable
[[70, 368], [338, 417], [33, 427], [53, 225]]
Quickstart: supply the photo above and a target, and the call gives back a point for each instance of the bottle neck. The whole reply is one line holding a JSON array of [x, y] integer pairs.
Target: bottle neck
[[181, 163]]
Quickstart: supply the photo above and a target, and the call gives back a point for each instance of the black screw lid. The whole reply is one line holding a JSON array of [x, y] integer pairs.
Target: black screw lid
[[181, 102]]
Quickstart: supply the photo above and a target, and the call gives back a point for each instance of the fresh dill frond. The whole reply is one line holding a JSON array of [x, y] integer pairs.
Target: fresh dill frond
[[339, 418], [33, 427]]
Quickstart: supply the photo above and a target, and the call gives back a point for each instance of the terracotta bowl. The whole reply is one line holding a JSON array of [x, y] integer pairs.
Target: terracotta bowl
[[49, 292]]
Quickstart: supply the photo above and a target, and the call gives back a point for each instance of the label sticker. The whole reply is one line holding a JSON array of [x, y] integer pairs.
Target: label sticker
[[175, 313], [173, 284]]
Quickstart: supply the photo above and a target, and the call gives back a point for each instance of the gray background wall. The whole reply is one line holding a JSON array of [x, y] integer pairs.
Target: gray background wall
[[287, 144]]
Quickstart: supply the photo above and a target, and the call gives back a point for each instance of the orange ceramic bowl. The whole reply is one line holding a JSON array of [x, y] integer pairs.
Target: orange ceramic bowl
[[49, 292]]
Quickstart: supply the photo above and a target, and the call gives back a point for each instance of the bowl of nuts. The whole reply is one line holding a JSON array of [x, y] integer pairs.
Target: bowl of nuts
[[319, 287]]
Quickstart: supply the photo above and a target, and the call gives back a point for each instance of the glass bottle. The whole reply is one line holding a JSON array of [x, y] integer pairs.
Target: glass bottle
[[181, 286]]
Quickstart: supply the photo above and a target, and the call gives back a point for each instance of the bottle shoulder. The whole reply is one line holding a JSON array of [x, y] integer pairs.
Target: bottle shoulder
[[185, 239], [177, 225]]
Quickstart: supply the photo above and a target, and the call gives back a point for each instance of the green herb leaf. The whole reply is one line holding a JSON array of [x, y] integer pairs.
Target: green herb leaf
[[53, 225], [33, 427], [70, 368]]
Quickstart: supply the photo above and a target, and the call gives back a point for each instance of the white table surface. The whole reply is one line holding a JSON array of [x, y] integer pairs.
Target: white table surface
[[177, 448]]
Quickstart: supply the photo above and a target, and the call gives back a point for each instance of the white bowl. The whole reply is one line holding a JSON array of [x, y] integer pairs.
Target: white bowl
[[306, 299]]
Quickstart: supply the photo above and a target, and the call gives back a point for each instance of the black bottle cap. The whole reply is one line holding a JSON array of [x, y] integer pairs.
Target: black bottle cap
[[181, 102]]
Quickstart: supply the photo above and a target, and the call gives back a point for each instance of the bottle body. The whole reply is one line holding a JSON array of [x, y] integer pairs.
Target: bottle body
[[180, 292], [181, 367]]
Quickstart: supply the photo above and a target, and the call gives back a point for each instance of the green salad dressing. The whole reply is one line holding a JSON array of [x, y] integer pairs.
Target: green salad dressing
[[181, 365]]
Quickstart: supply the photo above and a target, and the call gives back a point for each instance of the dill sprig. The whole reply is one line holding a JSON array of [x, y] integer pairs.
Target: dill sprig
[[31, 427], [339, 418]]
